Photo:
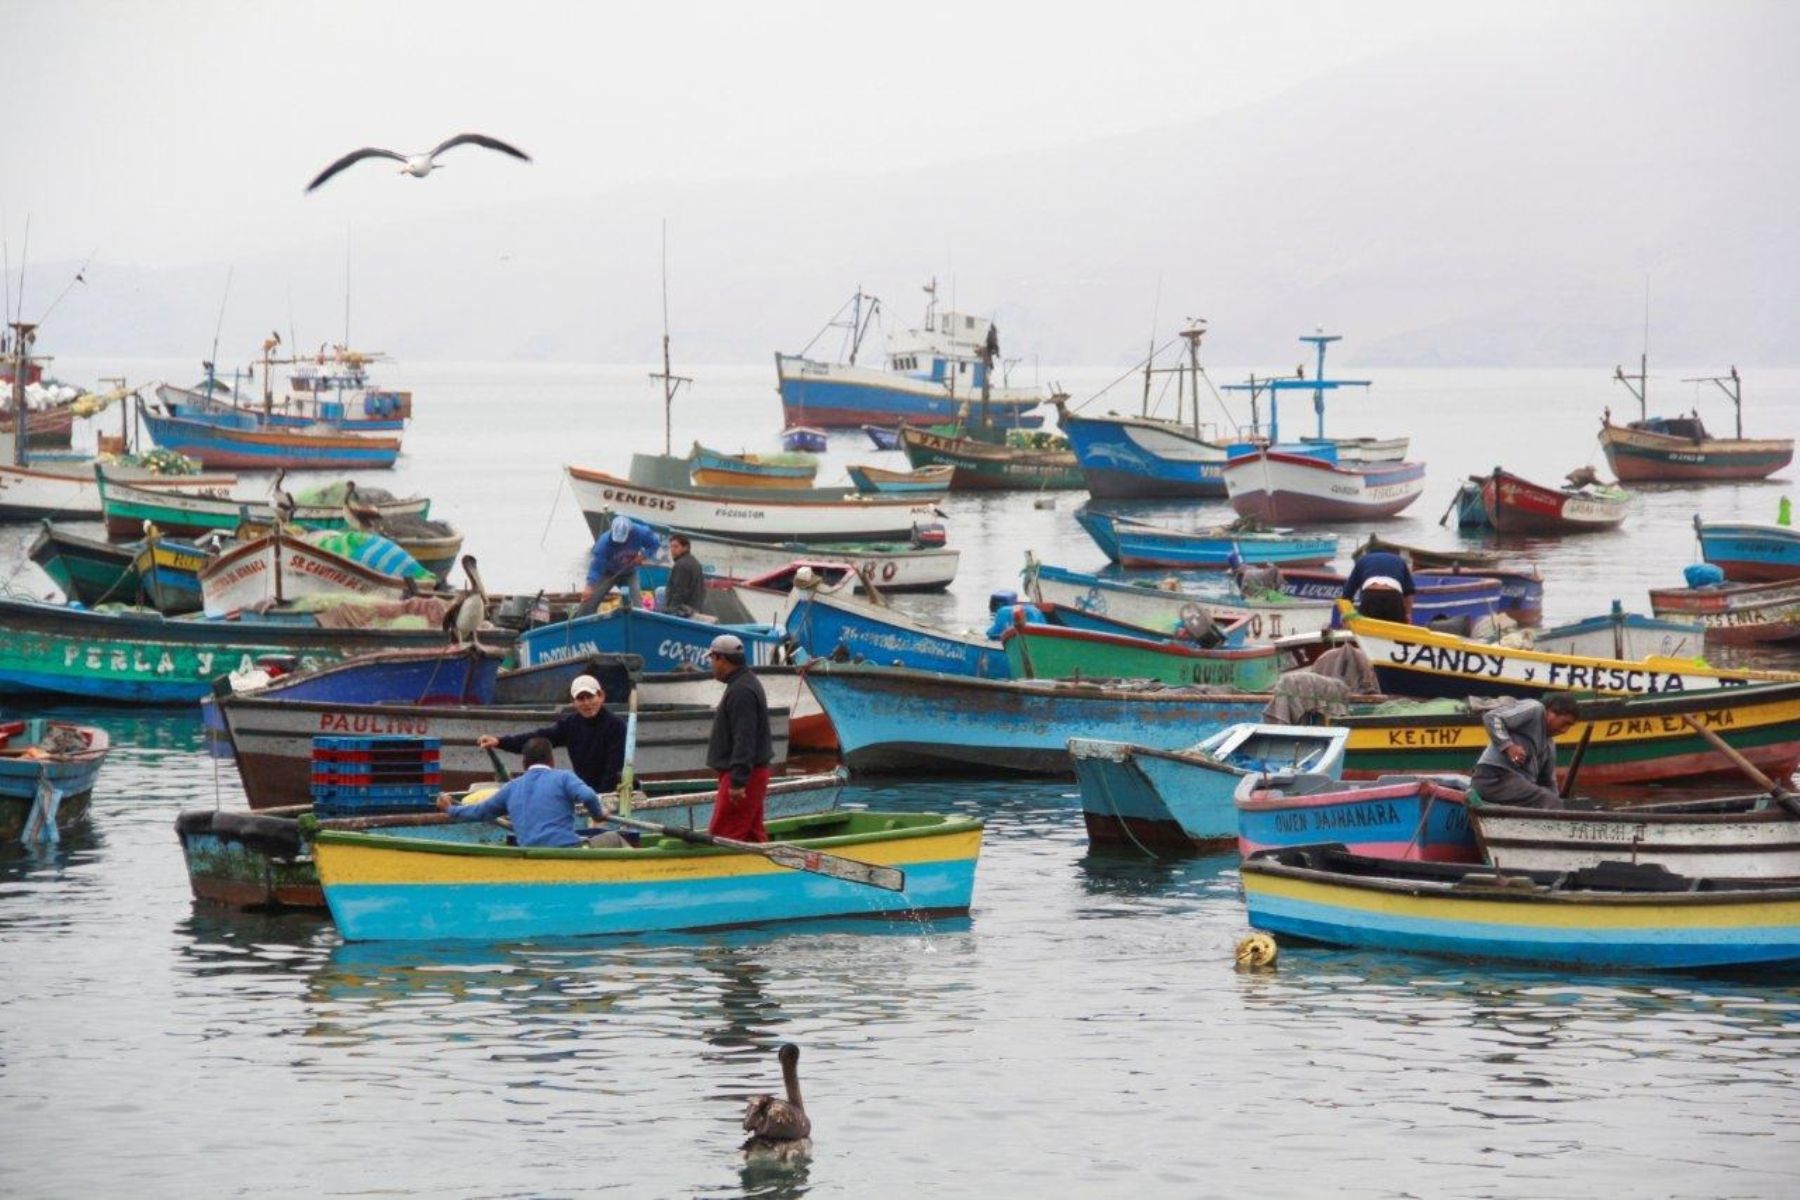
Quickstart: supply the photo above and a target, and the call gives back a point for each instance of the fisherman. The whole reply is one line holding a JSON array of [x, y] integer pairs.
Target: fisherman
[[594, 738], [685, 593], [1519, 765], [616, 557], [540, 803], [741, 747], [1381, 586]]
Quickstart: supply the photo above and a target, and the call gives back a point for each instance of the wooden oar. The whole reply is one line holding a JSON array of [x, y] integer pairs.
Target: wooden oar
[[501, 774], [629, 771], [795, 858], [1568, 787], [1776, 792]]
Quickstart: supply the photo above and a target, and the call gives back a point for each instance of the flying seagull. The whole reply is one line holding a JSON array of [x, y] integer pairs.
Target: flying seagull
[[418, 165]]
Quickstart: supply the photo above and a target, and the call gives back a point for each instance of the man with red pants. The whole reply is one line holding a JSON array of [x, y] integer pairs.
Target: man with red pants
[[741, 748]]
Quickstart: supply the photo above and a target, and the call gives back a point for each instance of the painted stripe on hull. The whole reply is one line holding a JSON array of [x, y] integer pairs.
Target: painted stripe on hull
[[1105, 483], [1633, 464]]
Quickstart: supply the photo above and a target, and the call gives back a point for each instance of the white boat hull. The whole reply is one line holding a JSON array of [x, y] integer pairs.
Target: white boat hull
[[65, 491], [852, 518], [1153, 608], [899, 571], [274, 570], [1291, 489], [1761, 845]]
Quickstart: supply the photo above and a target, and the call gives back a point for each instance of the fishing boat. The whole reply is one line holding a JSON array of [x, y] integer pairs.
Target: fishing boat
[[279, 569], [1411, 661], [184, 512], [1350, 451], [445, 674], [1426, 558], [927, 480], [318, 406], [985, 460], [382, 885], [816, 515], [1735, 613], [884, 437], [1516, 505], [1679, 449], [1622, 635], [1181, 800], [1277, 487], [47, 773], [1611, 917], [1163, 609], [716, 469], [271, 738], [1749, 552], [50, 424], [1437, 597], [260, 860], [894, 719], [1042, 651], [664, 641], [807, 439], [1136, 544], [168, 571], [930, 373], [1471, 511], [1630, 740], [59, 489], [828, 625], [1409, 818], [90, 571], [1740, 837], [146, 658], [262, 448], [891, 566]]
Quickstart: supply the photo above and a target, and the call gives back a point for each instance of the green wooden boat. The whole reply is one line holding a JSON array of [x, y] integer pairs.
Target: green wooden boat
[[93, 572], [1056, 652], [980, 465], [190, 514]]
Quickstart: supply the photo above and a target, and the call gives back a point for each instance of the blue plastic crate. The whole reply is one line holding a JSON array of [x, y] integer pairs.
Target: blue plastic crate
[[383, 742], [375, 794]]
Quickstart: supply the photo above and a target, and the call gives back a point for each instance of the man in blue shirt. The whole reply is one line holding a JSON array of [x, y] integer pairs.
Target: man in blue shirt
[[615, 560], [541, 802]]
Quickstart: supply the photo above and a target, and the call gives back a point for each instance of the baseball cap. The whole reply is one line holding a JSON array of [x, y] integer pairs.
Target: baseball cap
[[728, 644], [621, 528], [585, 683]]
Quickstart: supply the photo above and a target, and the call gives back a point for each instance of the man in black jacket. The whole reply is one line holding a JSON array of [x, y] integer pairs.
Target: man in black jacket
[[594, 738], [741, 747]]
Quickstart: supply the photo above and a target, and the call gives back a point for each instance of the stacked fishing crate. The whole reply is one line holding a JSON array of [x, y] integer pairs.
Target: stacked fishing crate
[[371, 776]]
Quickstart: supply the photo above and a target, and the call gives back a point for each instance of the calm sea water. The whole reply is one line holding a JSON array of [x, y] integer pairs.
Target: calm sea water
[[1082, 1033]]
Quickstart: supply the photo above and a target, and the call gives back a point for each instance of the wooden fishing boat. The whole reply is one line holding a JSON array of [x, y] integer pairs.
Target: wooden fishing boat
[[47, 774], [1679, 450], [1280, 488], [892, 566], [271, 738], [1516, 505], [1471, 512], [1623, 635], [716, 469], [168, 571], [260, 860], [1612, 917], [1136, 544], [1521, 587], [980, 465], [217, 445], [278, 569], [1181, 800], [1631, 740], [190, 513], [829, 624], [816, 515], [1198, 627], [66, 490], [1404, 817], [809, 439], [929, 480], [1036, 651], [51, 427], [896, 719], [1438, 595], [90, 571], [664, 641], [1735, 613], [1748, 552], [1411, 661], [884, 437], [1129, 458], [389, 886], [444, 674], [1162, 609], [380, 411], [147, 658], [1742, 837]]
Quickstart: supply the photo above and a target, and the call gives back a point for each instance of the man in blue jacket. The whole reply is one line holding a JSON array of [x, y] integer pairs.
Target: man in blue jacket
[[617, 555], [541, 802]]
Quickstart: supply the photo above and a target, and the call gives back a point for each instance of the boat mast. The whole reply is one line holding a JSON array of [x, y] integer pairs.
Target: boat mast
[[671, 382], [1734, 393], [1193, 333], [23, 335], [1642, 390]]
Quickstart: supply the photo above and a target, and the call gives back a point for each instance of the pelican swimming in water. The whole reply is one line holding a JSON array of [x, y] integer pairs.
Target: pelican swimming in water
[[469, 610], [417, 165], [780, 1130]]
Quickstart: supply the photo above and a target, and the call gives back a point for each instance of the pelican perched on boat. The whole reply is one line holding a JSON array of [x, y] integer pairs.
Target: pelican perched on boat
[[468, 610], [418, 165], [780, 1129], [359, 512], [282, 500]]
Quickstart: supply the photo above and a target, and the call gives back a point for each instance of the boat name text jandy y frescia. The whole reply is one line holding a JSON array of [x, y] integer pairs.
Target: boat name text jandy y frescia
[[1588, 676]]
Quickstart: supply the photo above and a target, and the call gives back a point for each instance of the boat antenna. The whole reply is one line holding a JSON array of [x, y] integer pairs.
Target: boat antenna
[[6, 267], [671, 383], [80, 277], [1642, 378], [346, 287], [212, 364], [1733, 389], [1155, 316]]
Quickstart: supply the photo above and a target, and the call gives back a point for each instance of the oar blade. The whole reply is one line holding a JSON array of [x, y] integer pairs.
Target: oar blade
[[798, 858]]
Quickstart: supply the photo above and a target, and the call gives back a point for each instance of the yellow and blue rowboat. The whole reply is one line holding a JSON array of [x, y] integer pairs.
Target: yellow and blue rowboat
[[389, 886], [1322, 894]]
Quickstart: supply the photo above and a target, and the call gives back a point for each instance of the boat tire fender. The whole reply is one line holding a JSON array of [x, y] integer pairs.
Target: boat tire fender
[[278, 837]]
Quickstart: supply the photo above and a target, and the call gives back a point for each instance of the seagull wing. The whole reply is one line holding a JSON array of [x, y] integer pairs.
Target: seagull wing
[[352, 158], [480, 139]]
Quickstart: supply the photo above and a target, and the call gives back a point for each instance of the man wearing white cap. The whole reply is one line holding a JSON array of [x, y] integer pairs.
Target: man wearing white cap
[[594, 738], [615, 560], [741, 747]]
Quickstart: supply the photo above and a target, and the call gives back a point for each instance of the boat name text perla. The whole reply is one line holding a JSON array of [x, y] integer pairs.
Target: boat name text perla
[[1454, 660], [145, 661]]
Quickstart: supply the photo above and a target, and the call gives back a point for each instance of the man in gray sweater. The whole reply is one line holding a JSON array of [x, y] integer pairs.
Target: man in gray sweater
[[1519, 765]]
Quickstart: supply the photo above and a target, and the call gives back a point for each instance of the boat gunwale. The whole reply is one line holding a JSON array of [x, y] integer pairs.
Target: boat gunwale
[[1543, 889]]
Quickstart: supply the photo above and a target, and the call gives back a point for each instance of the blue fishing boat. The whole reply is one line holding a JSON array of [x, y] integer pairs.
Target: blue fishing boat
[[168, 572], [1748, 552], [260, 448], [885, 437], [894, 719], [1163, 610], [829, 624], [804, 438], [1181, 800], [665, 642], [1415, 818], [1135, 544], [1439, 596], [927, 480], [1615, 916], [715, 469], [47, 773], [1471, 510]]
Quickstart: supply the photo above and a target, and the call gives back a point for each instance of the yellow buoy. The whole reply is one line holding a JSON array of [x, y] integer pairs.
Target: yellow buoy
[[1257, 953]]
